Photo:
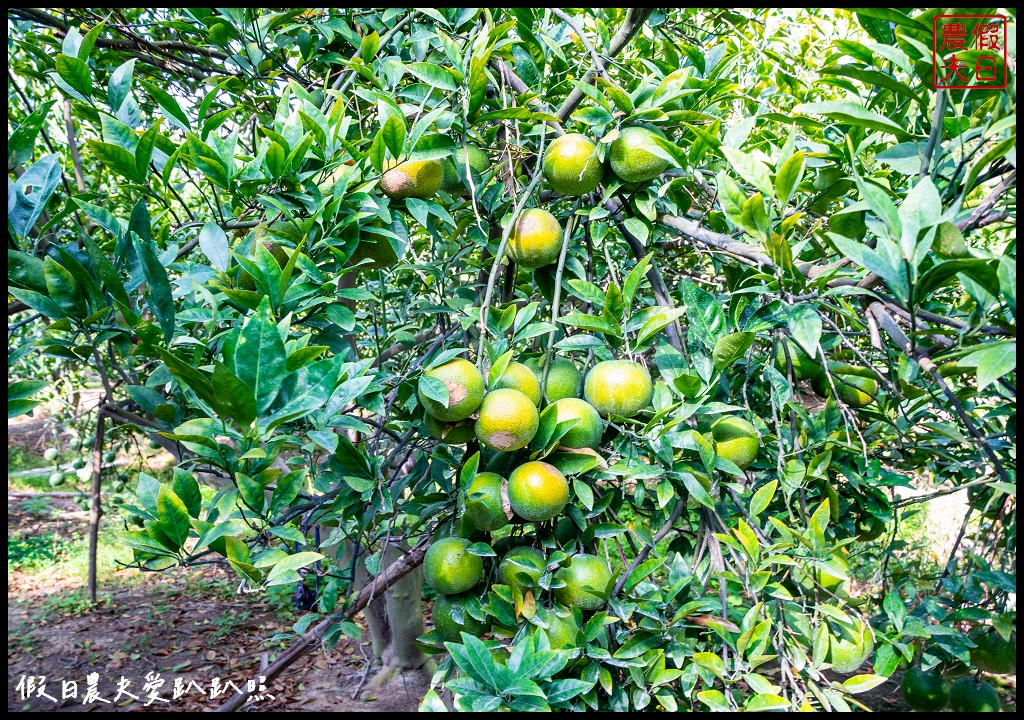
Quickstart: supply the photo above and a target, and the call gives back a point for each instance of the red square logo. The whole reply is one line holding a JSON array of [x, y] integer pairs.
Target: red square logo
[[969, 52]]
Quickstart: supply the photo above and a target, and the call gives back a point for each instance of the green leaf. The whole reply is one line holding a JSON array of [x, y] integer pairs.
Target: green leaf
[[862, 683], [731, 348], [172, 516], [120, 84], [368, 46], [236, 398], [116, 158], [992, 362], [213, 241], [187, 489], [75, 73], [766, 701], [853, 114], [170, 107], [762, 498], [259, 356], [658, 322], [21, 144], [750, 169], [287, 571], [393, 136], [805, 328], [158, 287], [433, 74], [434, 389], [286, 490], [788, 177], [63, 289]]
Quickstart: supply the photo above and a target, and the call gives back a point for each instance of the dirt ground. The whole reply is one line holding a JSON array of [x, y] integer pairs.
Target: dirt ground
[[186, 626]]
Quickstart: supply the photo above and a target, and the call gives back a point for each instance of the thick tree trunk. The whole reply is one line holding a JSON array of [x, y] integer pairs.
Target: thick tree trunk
[[395, 620]]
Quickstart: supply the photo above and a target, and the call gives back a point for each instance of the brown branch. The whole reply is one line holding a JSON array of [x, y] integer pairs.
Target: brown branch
[[646, 550], [895, 332], [635, 19], [392, 574], [76, 157], [94, 502], [716, 241]]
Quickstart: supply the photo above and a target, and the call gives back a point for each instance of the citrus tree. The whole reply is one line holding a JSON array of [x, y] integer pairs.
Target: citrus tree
[[616, 331]]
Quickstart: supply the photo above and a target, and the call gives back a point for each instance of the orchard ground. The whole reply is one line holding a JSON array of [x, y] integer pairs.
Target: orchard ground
[[195, 625]]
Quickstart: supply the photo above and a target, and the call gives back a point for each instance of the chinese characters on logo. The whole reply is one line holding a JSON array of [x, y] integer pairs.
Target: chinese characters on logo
[[151, 692], [969, 52]]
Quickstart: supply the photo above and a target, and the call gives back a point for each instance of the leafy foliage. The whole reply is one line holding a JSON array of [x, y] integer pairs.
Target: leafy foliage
[[204, 227]]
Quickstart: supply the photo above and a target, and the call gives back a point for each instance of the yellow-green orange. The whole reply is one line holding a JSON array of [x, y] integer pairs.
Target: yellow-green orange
[[449, 568], [634, 155], [970, 695], [848, 649], [735, 440], [450, 433], [483, 502], [618, 387], [993, 654], [537, 491], [587, 582], [519, 377], [521, 567], [452, 618], [563, 378], [562, 630], [869, 528], [804, 368], [924, 690], [465, 390], [412, 179], [571, 166], [854, 390], [535, 240], [507, 420], [455, 169], [587, 432]]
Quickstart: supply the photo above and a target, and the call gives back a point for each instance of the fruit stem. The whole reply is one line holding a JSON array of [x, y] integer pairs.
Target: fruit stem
[[556, 297], [500, 254]]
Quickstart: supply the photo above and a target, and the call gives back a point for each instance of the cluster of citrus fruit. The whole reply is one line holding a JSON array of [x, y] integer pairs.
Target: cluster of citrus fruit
[[930, 690], [856, 386]]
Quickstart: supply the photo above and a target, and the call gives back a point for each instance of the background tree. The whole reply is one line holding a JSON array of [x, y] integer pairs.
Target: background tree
[[271, 232]]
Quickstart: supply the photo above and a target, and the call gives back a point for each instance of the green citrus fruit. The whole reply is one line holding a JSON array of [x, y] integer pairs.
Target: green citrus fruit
[[50, 454], [74, 444], [970, 695], [562, 630], [735, 440], [449, 568], [587, 432], [465, 390], [537, 491], [455, 170], [536, 239], [507, 420], [78, 463], [854, 390], [564, 378], [412, 179], [869, 528], [522, 567], [804, 368], [519, 377], [993, 654], [56, 479], [452, 618], [483, 502], [618, 387], [118, 486], [587, 582], [571, 166], [153, 444], [848, 650], [450, 433], [924, 690], [109, 457], [633, 156]]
